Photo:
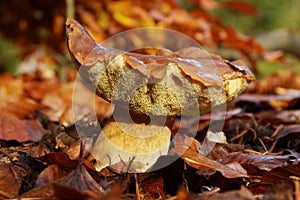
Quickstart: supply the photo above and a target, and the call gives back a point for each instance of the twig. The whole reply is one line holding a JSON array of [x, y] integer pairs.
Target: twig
[[296, 181], [70, 9], [277, 130], [264, 146], [273, 145], [137, 189], [239, 135]]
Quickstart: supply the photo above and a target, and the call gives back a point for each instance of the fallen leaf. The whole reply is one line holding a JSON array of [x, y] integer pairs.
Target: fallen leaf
[[189, 152], [33, 168], [9, 183], [242, 194], [81, 180], [255, 102], [12, 128], [49, 175], [59, 158], [281, 173], [65, 192], [263, 162], [239, 6]]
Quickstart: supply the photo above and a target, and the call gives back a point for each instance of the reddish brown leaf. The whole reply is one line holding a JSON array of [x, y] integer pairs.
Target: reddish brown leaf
[[81, 180], [191, 155], [64, 192], [61, 159], [49, 175], [281, 173], [257, 101], [263, 162], [239, 6], [44, 192], [9, 183], [12, 128], [242, 194]]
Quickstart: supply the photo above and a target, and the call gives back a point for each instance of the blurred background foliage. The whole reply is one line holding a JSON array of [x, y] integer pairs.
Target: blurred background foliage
[[271, 15], [32, 31]]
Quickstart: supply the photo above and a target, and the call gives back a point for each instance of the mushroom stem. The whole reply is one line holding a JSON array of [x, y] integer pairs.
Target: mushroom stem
[[132, 141]]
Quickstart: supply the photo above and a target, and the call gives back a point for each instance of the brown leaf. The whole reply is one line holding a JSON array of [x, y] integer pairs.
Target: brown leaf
[[12, 128], [81, 180], [59, 158], [191, 155], [65, 192], [49, 175], [9, 183], [263, 162], [239, 6], [281, 79], [242, 194], [281, 173], [258, 101], [44, 192], [90, 52]]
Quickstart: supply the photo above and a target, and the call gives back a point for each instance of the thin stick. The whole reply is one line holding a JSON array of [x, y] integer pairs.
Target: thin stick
[[296, 186], [70, 9], [137, 189], [239, 135], [277, 130], [264, 146], [273, 145]]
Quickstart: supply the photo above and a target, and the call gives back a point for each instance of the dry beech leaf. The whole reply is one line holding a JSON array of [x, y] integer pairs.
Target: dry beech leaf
[[49, 175], [282, 173], [59, 158], [44, 192], [38, 89], [81, 180], [181, 70], [257, 101], [191, 155], [9, 182], [12, 128], [281, 79], [242, 194], [263, 162], [11, 89], [64, 192]]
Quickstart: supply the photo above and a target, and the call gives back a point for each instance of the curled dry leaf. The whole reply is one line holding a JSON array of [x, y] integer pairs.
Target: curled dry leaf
[[189, 151], [282, 173], [49, 175], [263, 162], [259, 101], [186, 70], [81, 180]]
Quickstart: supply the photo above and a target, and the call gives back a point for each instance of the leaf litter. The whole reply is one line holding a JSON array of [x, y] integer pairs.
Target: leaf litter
[[41, 155], [253, 157]]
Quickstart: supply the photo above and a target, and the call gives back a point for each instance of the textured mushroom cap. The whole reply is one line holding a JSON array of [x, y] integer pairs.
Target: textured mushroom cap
[[165, 83]]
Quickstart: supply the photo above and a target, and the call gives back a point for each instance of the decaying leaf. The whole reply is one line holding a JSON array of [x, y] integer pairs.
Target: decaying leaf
[[263, 162], [49, 175], [12, 128], [81, 180], [10, 180], [190, 153], [282, 173]]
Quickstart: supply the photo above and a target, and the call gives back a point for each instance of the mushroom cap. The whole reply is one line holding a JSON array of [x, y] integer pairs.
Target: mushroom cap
[[162, 83]]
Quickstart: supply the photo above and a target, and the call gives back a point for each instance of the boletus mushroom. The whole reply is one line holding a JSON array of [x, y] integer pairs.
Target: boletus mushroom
[[149, 89]]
